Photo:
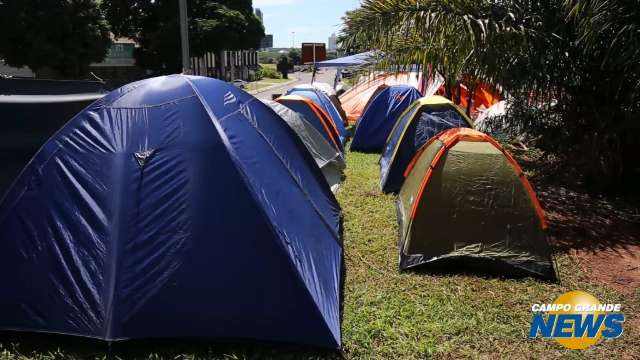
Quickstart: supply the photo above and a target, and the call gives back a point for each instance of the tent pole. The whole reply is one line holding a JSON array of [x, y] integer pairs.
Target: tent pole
[[313, 77]]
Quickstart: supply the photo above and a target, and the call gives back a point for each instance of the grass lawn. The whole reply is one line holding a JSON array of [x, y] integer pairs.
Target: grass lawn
[[256, 85], [261, 84], [271, 66], [276, 81], [388, 315]]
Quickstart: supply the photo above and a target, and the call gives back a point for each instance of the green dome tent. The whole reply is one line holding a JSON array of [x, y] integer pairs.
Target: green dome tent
[[465, 203]]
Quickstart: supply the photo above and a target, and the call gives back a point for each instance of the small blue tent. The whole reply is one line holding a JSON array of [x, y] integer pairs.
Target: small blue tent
[[424, 119], [323, 101], [380, 115], [174, 207]]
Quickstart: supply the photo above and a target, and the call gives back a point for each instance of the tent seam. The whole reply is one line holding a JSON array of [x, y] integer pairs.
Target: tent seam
[[270, 225]]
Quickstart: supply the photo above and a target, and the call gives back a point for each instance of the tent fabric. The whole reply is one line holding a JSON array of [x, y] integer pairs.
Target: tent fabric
[[484, 97], [355, 100], [329, 159], [375, 94], [466, 200], [381, 115], [331, 93], [176, 206], [324, 102], [315, 115], [326, 88], [424, 119], [29, 121], [486, 120], [338, 105], [348, 61]]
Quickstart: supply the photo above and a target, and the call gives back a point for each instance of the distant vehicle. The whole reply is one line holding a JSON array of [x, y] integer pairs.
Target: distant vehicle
[[240, 84], [347, 74]]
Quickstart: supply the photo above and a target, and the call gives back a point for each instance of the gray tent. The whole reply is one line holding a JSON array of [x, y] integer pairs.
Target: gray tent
[[328, 158]]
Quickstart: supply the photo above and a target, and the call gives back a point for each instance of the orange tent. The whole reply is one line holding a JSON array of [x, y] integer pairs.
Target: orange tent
[[485, 96], [355, 100]]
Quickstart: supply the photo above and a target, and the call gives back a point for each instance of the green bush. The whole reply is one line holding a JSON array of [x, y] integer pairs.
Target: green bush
[[267, 72]]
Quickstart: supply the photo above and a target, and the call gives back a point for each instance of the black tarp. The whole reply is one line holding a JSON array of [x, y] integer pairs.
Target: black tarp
[[27, 122], [21, 86]]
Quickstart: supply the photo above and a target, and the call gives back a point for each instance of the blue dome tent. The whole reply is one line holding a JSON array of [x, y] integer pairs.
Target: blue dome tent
[[380, 115], [174, 207], [323, 101], [424, 119]]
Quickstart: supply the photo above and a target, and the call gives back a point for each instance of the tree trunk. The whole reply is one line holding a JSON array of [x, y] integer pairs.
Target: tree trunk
[[220, 65]]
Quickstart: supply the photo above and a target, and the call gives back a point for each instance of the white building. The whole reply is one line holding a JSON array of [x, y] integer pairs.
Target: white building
[[333, 43], [6, 70], [227, 65]]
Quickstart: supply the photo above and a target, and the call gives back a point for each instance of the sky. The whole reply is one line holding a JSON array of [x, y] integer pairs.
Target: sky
[[311, 20]]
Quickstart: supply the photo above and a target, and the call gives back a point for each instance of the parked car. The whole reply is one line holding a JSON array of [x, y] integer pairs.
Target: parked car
[[347, 74], [241, 84]]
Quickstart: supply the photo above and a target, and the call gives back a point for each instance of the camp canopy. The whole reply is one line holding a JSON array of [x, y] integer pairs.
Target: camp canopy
[[349, 61], [356, 99], [328, 158], [314, 115], [159, 211], [381, 115], [324, 102], [467, 204], [420, 122]]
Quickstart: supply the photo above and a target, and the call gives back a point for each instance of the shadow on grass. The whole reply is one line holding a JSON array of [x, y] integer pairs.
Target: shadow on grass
[[37, 345], [580, 219], [478, 267]]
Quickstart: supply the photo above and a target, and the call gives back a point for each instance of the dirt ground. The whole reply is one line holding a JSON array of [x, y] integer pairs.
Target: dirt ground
[[617, 269], [603, 234], [602, 231]]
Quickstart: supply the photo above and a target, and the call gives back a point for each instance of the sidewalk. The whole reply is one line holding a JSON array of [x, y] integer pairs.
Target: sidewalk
[[270, 85]]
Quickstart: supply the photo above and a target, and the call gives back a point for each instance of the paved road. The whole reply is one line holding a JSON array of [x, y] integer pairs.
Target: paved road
[[326, 76]]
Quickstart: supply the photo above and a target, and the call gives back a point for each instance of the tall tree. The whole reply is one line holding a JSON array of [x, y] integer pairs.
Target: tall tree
[[64, 36], [294, 55], [284, 66], [213, 26]]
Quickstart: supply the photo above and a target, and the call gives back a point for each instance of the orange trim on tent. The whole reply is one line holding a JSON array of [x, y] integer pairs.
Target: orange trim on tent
[[331, 129], [324, 117], [450, 138], [355, 100]]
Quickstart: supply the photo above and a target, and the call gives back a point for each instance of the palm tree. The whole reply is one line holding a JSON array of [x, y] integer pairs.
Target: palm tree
[[585, 54]]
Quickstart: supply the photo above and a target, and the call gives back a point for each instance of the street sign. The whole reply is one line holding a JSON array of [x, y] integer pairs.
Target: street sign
[[313, 52]]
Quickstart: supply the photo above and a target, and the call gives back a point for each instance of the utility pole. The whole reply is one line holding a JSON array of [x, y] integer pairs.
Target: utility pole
[[184, 38], [293, 39]]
